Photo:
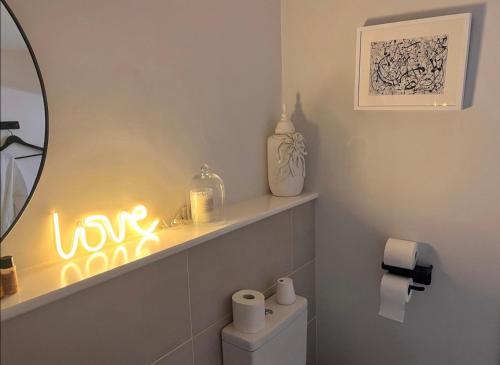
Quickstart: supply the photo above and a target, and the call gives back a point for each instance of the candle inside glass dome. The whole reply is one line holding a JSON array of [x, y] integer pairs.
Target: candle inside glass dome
[[202, 205]]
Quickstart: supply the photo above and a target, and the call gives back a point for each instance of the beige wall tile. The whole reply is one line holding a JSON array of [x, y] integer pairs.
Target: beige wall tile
[[270, 291], [208, 345], [139, 317], [253, 257], [132, 319], [304, 284], [311, 343], [303, 218], [180, 356]]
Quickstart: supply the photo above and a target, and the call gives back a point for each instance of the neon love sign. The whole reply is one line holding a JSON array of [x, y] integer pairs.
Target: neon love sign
[[102, 224]]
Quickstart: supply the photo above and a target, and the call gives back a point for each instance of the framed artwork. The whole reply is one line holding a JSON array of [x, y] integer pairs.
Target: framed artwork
[[412, 65]]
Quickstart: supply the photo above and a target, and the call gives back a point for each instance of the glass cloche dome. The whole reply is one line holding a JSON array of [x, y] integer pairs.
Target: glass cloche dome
[[206, 197]]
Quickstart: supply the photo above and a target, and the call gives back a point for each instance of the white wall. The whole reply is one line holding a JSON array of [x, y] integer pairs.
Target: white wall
[[433, 177], [140, 94]]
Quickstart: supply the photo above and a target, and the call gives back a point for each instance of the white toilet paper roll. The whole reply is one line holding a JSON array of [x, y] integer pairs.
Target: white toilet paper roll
[[249, 312], [401, 253], [394, 294], [285, 294]]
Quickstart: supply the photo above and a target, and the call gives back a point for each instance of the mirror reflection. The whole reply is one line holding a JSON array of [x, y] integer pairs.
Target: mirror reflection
[[23, 123]]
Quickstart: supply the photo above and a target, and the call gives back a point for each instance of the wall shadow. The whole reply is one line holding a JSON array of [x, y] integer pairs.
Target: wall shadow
[[478, 12], [311, 134]]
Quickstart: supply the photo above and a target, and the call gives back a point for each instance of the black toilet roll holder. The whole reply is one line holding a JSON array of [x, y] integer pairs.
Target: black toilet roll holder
[[420, 275]]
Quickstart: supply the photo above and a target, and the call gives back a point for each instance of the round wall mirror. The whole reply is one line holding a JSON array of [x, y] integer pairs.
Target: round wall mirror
[[24, 121]]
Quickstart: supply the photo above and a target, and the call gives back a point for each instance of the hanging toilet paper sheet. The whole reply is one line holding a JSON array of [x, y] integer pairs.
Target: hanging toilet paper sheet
[[394, 294]]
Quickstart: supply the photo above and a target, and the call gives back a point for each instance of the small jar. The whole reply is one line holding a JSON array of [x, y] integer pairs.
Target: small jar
[[8, 274], [206, 197]]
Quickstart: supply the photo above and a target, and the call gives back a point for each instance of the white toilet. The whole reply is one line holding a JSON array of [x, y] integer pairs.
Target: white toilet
[[282, 342]]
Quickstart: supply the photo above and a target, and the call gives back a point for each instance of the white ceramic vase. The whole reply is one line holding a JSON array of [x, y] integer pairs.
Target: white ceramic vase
[[286, 166]]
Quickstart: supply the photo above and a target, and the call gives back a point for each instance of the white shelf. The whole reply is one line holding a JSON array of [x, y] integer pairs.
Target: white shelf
[[40, 286]]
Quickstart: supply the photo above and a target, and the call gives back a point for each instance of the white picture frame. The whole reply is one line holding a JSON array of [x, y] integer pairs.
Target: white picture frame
[[412, 65]]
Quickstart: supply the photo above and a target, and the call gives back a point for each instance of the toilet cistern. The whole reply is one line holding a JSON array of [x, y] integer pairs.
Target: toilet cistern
[[283, 341]]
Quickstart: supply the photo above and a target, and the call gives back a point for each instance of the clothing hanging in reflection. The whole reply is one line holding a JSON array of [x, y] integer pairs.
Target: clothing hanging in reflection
[[19, 166], [13, 190]]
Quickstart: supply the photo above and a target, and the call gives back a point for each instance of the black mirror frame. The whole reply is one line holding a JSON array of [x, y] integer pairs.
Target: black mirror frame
[[46, 108]]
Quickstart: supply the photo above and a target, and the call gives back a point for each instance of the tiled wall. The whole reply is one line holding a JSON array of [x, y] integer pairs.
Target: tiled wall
[[172, 311]]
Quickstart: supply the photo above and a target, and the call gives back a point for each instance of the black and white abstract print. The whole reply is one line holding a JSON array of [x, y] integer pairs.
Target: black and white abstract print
[[408, 66]]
